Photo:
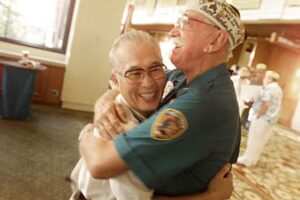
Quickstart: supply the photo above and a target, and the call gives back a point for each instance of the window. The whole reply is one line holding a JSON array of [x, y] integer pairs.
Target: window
[[43, 24]]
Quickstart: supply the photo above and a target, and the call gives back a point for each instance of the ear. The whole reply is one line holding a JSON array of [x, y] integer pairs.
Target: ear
[[114, 82], [219, 41]]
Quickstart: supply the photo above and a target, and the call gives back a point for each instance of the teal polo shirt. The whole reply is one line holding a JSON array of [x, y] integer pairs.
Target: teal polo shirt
[[182, 146]]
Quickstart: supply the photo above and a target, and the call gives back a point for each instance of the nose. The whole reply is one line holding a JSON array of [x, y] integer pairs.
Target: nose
[[147, 81], [174, 31]]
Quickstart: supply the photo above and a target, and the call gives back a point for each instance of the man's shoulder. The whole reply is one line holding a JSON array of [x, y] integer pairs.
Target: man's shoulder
[[273, 88]]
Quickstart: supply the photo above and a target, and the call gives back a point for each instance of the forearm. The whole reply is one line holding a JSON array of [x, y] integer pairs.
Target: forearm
[[101, 156], [263, 109], [90, 149]]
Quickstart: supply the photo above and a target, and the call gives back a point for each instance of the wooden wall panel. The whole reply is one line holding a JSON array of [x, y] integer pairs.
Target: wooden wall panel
[[55, 84], [262, 53], [285, 61], [48, 85], [41, 85], [236, 55]]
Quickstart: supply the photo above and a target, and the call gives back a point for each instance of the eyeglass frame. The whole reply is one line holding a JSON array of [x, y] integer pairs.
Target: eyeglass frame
[[148, 72], [183, 19]]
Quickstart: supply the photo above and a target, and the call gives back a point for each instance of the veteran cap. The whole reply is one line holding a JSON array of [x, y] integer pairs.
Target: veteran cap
[[224, 15], [273, 75]]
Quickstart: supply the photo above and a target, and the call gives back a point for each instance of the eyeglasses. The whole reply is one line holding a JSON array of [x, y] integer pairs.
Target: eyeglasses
[[183, 19], [156, 72]]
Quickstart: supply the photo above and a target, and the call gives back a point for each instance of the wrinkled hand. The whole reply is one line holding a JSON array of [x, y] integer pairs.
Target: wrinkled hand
[[222, 184], [108, 118]]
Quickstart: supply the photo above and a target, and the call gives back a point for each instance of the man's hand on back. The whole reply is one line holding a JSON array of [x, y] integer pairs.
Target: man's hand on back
[[219, 188]]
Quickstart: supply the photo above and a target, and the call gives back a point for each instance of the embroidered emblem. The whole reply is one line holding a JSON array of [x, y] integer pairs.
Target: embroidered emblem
[[224, 15], [168, 125]]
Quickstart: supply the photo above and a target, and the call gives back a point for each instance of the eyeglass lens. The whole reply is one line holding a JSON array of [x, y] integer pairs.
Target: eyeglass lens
[[156, 72]]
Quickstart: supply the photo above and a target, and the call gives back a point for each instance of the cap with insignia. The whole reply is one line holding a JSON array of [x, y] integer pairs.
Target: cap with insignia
[[222, 14]]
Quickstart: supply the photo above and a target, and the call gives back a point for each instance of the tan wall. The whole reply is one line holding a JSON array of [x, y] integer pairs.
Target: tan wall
[[97, 25]]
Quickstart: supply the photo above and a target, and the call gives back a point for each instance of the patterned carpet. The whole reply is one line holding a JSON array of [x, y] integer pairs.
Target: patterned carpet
[[36, 155], [277, 174]]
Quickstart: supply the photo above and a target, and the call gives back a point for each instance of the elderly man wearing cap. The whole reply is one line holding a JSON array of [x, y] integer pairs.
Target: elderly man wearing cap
[[266, 111], [256, 80], [259, 74], [180, 147]]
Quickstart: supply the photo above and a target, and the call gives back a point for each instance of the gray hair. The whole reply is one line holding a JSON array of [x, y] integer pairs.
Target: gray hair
[[127, 38]]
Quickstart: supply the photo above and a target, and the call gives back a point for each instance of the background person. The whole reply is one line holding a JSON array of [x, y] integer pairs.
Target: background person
[[256, 82], [239, 81], [265, 113], [258, 74]]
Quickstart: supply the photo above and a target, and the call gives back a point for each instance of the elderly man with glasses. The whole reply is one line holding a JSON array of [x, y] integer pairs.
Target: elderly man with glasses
[[182, 146], [140, 83]]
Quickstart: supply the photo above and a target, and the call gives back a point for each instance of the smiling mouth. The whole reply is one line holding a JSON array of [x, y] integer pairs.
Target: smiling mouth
[[147, 96], [176, 42]]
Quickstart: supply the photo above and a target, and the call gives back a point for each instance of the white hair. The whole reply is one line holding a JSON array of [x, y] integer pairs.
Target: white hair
[[127, 38]]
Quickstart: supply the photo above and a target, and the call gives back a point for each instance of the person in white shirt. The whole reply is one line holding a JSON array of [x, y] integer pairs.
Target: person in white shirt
[[265, 113], [240, 80]]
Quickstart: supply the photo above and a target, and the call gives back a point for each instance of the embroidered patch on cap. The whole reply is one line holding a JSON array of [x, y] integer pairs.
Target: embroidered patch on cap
[[168, 125], [224, 15]]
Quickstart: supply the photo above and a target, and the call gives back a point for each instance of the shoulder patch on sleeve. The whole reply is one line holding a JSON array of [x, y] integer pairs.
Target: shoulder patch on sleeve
[[168, 125]]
